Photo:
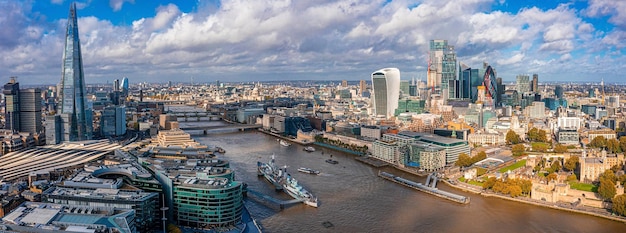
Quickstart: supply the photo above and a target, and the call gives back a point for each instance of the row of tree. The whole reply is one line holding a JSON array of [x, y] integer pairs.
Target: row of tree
[[339, 143], [512, 187], [533, 135], [466, 161], [611, 145]]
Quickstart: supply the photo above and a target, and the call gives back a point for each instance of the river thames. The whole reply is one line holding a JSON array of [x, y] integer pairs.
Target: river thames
[[354, 199]]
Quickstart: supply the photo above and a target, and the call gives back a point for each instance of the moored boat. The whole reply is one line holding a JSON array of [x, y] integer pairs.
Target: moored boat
[[295, 190], [284, 143], [271, 173], [308, 170], [331, 161], [309, 149]]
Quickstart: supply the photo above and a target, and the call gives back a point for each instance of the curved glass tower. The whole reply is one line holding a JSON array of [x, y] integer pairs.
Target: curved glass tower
[[386, 87], [77, 123]]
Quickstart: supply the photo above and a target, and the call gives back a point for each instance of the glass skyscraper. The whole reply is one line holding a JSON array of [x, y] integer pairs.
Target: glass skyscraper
[[442, 67], [386, 87], [77, 124]]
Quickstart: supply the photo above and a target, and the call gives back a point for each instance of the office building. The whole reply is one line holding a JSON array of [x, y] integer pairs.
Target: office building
[[522, 84], [113, 121], [30, 111], [200, 189], [76, 118], [144, 204], [386, 88], [534, 86], [362, 86], [441, 67], [12, 105], [48, 218], [404, 87], [558, 92]]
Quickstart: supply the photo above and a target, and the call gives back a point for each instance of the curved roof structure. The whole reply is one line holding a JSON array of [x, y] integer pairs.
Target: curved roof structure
[[47, 158]]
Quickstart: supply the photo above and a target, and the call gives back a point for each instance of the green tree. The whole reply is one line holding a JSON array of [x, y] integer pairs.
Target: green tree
[[512, 138], [533, 134], [556, 166], [526, 186], [570, 164], [541, 137], [612, 145], [539, 147], [489, 183], [500, 187], [518, 149], [608, 175], [464, 160], [598, 142], [480, 156], [622, 143], [514, 190], [551, 177], [560, 148], [619, 205], [606, 190], [572, 177]]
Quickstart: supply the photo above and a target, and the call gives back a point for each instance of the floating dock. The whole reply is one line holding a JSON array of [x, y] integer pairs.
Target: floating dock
[[262, 197], [425, 188]]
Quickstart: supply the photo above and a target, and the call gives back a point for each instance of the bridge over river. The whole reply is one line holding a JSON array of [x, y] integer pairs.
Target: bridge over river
[[241, 127]]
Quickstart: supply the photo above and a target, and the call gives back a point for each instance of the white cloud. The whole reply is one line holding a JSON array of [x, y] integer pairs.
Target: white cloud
[[512, 60], [116, 5], [278, 38]]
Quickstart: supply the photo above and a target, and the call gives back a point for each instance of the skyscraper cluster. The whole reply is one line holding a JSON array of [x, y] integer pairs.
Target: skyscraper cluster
[[23, 108], [442, 68]]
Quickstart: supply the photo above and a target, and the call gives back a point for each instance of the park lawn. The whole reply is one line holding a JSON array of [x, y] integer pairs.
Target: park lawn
[[480, 171], [472, 182], [475, 182], [514, 166], [583, 187]]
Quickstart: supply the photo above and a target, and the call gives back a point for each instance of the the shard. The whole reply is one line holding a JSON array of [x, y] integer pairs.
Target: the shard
[[77, 125]]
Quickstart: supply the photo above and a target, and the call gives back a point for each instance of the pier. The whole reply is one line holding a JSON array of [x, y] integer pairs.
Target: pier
[[260, 197], [430, 187]]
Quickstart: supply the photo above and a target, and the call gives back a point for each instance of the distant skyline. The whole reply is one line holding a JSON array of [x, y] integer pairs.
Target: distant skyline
[[262, 40]]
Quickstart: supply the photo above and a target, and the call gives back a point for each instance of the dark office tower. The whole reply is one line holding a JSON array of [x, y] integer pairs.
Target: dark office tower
[[116, 85], [558, 92], [534, 86], [77, 124], [30, 110], [12, 100], [500, 90]]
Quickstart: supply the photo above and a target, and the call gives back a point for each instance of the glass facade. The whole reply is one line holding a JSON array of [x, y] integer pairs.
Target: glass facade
[[202, 207], [73, 98], [386, 87]]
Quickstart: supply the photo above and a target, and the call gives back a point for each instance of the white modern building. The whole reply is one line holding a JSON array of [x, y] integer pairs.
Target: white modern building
[[386, 91], [569, 122]]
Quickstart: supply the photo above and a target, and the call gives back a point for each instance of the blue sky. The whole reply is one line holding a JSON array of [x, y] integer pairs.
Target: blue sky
[[249, 40]]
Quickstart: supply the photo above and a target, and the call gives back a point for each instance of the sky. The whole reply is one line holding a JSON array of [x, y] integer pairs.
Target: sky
[[205, 41]]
